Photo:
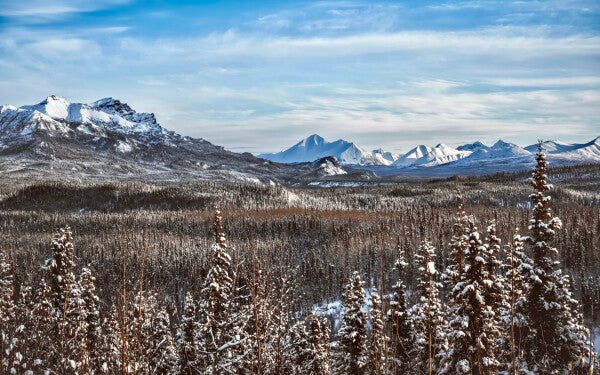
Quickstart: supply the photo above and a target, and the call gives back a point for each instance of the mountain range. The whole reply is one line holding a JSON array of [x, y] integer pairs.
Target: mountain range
[[109, 139], [441, 157]]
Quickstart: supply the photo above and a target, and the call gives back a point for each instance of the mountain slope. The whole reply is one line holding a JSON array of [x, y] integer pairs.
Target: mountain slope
[[109, 138]]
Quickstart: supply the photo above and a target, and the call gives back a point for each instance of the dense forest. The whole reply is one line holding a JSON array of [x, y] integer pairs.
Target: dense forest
[[459, 276]]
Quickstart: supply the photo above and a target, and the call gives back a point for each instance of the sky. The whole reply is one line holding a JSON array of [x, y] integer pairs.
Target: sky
[[259, 76]]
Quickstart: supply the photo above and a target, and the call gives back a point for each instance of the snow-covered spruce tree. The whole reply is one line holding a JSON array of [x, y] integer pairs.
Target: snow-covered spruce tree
[[115, 343], [160, 350], [262, 328], [225, 312], [513, 321], [66, 303], [7, 315], [552, 345], [473, 328], [494, 285], [317, 361], [187, 347], [281, 320], [378, 341], [140, 314], [42, 341], [20, 355], [427, 315], [92, 357], [402, 343], [351, 352], [298, 351], [164, 356], [458, 245]]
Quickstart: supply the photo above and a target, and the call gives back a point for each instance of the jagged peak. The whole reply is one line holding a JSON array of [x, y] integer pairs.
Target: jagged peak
[[54, 98], [112, 104], [313, 139], [500, 144]]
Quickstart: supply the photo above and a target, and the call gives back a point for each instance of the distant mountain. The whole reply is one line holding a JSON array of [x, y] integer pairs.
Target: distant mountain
[[475, 146], [440, 154], [500, 149], [413, 155], [109, 138], [315, 147], [589, 151], [384, 157]]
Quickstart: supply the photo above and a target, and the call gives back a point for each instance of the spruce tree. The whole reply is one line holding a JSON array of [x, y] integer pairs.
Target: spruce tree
[[298, 352], [351, 352], [513, 319], [427, 315], [42, 345], [458, 245], [494, 283], [65, 298], [160, 349], [225, 312], [317, 346], [402, 349], [473, 326], [378, 341], [187, 347], [552, 344], [92, 361], [7, 316]]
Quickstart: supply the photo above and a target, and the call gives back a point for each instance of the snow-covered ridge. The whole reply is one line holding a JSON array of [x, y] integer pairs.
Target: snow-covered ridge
[[471, 154], [105, 111], [55, 115]]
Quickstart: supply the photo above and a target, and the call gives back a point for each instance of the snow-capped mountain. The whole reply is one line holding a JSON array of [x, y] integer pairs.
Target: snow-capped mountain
[[589, 151], [410, 157], [500, 149], [108, 137], [384, 157], [440, 154], [315, 147]]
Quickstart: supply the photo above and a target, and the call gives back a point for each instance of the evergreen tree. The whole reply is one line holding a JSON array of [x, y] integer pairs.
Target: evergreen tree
[[20, 351], [378, 342], [65, 297], [428, 319], [298, 355], [351, 353], [7, 315], [458, 245], [513, 320], [42, 344], [114, 345], [494, 283], [160, 350], [186, 340], [551, 343], [402, 341], [92, 360], [317, 346], [224, 313], [473, 327]]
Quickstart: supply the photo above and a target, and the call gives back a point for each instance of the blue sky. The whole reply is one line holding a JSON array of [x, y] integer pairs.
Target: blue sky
[[258, 76]]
